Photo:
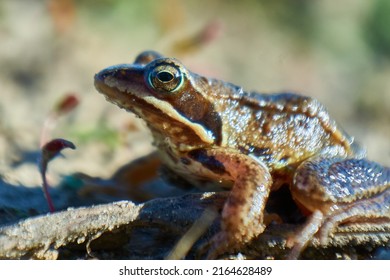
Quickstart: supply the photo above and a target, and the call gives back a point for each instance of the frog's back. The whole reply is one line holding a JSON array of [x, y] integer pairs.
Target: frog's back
[[284, 129]]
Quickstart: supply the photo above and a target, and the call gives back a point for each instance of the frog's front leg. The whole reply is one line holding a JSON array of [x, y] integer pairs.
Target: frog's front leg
[[243, 212], [339, 191]]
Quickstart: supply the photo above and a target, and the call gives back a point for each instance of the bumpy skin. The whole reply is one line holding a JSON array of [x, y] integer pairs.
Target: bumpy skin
[[210, 131]]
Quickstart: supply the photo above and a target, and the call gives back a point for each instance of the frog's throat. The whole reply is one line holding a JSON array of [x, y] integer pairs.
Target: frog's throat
[[204, 134]]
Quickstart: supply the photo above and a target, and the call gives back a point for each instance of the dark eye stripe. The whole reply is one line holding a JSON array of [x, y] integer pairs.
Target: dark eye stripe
[[174, 84]]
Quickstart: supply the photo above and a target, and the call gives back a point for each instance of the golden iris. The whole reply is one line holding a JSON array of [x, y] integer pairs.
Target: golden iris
[[165, 78]]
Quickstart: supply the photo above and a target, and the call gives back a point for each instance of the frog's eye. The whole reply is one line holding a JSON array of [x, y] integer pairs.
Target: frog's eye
[[165, 78]]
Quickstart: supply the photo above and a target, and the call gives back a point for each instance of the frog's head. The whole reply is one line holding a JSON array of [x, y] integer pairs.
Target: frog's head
[[172, 100]]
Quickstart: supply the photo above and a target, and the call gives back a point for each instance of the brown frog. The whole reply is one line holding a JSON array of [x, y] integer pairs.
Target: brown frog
[[213, 133]]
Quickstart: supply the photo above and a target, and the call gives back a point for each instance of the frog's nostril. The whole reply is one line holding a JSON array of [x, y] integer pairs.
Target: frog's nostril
[[100, 80]]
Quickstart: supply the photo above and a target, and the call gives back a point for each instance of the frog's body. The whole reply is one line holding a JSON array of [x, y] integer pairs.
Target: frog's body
[[207, 130]]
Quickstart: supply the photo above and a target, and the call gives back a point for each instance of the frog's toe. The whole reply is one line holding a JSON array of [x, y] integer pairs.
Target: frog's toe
[[324, 234], [300, 240]]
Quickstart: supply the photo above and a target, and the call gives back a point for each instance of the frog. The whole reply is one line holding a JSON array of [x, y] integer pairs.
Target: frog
[[216, 136]]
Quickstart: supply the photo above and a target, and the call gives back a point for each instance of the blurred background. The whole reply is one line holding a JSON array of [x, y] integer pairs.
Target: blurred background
[[337, 52]]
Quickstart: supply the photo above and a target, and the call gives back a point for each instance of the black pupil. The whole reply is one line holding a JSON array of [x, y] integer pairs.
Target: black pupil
[[164, 76]]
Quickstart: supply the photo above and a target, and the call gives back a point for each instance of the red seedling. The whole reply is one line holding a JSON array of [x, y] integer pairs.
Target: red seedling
[[49, 151]]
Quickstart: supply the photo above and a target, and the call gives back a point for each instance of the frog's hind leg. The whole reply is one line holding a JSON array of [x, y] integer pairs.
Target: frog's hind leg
[[369, 211], [299, 241], [339, 191]]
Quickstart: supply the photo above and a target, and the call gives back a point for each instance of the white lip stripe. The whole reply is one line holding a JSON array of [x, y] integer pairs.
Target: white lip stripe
[[167, 108]]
